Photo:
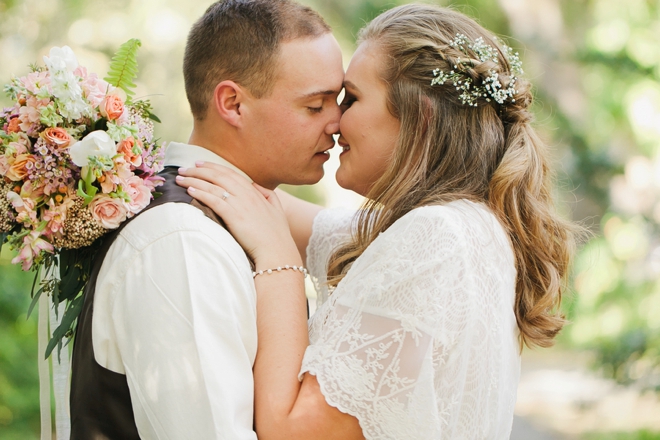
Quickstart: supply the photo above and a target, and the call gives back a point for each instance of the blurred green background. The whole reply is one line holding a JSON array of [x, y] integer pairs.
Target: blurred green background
[[596, 68]]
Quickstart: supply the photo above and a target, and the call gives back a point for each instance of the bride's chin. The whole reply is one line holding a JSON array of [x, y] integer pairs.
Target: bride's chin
[[341, 179], [341, 182], [350, 185]]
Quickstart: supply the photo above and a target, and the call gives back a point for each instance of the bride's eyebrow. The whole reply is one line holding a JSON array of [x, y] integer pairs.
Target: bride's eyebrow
[[351, 86]]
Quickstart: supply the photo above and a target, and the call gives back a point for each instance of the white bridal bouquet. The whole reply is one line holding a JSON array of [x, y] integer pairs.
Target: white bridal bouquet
[[77, 158]]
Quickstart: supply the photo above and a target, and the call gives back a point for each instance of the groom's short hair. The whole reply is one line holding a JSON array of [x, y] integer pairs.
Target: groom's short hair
[[239, 40]]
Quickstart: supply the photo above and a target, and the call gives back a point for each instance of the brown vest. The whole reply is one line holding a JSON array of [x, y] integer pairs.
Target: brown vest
[[100, 400]]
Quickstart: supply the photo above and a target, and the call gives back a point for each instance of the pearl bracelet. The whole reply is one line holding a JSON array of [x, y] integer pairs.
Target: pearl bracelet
[[280, 269]]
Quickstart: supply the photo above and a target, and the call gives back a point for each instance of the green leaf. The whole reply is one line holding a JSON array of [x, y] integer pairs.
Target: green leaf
[[73, 272], [154, 117], [35, 300], [34, 282], [101, 124], [56, 295], [3, 237], [71, 314], [81, 192], [124, 68]]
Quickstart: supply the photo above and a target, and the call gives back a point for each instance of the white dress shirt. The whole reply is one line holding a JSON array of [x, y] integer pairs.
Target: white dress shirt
[[175, 311]]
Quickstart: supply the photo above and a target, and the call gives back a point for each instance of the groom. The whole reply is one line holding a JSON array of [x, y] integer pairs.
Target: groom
[[167, 337]]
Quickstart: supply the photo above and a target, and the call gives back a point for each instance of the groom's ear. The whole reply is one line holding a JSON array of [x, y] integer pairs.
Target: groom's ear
[[227, 100]]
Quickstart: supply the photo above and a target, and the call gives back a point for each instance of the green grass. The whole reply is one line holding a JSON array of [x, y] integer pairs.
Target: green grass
[[637, 435], [19, 384]]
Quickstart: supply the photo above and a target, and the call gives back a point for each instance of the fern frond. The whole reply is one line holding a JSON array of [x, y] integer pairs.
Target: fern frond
[[124, 68]]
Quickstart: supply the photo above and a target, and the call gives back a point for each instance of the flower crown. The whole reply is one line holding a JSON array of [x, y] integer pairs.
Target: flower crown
[[490, 88]]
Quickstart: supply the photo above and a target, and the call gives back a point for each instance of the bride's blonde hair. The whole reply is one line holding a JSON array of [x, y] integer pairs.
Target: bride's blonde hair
[[448, 150]]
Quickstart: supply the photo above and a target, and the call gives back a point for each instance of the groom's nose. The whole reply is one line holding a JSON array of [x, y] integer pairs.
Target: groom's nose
[[333, 123]]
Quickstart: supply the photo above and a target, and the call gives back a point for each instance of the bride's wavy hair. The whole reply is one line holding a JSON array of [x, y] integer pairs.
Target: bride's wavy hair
[[448, 151]]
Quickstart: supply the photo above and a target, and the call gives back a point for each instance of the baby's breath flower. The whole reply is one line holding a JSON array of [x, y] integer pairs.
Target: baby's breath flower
[[6, 222], [79, 229], [490, 88]]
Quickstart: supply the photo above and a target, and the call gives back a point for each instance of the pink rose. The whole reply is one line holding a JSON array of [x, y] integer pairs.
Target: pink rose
[[57, 136], [139, 193], [127, 147], [112, 107], [107, 211]]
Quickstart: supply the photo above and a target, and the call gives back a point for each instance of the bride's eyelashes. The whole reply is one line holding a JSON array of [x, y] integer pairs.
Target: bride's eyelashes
[[347, 102], [315, 109]]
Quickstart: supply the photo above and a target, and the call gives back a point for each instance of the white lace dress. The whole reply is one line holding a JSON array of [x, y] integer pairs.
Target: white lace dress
[[419, 340]]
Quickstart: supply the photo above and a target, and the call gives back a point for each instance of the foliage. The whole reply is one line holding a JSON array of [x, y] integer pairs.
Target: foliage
[[616, 308], [7, 4], [124, 67], [639, 435], [304, 192], [19, 383], [596, 68]]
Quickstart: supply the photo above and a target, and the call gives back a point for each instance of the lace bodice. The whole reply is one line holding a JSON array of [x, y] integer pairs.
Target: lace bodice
[[419, 340]]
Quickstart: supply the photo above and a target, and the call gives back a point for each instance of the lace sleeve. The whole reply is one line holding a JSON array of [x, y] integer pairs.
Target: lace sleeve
[[332, 228], [402, 334]]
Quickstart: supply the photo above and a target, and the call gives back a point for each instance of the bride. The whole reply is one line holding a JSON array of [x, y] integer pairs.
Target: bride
[[429, 292]]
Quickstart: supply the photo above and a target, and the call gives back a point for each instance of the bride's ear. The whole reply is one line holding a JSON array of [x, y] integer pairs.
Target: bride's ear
[[227, 100]]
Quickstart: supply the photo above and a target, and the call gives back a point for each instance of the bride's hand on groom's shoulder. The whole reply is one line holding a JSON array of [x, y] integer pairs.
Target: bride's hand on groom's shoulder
[[253, 214]]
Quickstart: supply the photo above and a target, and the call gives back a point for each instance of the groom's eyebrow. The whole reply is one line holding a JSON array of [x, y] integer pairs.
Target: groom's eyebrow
[[320, 93]]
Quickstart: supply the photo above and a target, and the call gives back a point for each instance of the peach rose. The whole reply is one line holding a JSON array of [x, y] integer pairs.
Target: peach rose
[[112, 107], [127, 147], [18, 170], [14, 125], [139, 193], [107, 211], [57, 136]]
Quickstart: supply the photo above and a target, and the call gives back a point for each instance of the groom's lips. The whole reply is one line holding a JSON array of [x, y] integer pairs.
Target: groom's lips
[[325, 154]]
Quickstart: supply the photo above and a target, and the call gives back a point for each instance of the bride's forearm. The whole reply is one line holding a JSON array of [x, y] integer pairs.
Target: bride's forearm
[[283, 338], [285, 408]]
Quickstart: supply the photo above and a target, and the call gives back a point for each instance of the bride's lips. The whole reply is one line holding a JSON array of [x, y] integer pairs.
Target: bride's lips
[[344, 146]]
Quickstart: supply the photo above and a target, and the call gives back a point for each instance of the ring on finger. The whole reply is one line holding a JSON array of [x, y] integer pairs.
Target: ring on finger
[[225, 195]]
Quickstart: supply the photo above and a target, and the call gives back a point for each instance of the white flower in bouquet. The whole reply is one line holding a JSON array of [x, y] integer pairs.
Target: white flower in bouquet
[[61, 59], [96, 144], [61, 65]]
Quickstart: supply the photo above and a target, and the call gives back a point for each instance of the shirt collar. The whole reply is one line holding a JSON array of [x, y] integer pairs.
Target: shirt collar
[[185, 155]]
